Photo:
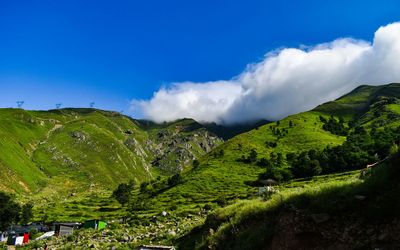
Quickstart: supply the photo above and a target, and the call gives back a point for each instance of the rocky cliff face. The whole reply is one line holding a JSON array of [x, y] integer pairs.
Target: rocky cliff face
[[176, 145]]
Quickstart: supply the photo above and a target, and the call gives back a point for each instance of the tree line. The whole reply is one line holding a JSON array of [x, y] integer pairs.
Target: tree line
[[360, 148], [11, 212]]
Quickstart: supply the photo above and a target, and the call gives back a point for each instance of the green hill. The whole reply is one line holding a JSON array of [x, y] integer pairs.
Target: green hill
[[88, 147]]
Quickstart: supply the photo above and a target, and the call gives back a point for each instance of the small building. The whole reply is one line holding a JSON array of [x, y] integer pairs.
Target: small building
[[152, 247], [61, 229], [95, 224]]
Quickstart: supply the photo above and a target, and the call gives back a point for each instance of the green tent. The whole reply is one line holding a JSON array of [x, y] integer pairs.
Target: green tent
[[96, 224]]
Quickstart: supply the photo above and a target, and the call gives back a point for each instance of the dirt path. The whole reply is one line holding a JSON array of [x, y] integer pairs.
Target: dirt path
[[48, 134]]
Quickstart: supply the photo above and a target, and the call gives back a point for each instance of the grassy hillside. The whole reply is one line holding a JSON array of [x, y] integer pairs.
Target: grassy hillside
[[92, 148], [338, 211], [221, 176], [357, 102], [83, 145]]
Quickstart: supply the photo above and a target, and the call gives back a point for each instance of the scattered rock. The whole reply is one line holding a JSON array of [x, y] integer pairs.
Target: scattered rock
[[78, 135], [128, 132]]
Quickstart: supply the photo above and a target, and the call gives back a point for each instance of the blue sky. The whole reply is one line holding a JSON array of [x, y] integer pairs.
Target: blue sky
[[112, 52]]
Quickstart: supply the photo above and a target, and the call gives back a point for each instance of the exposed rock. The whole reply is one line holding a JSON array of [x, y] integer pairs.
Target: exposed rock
[[81, 136]]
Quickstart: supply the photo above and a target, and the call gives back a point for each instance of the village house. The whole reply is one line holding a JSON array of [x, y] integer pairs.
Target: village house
[[61, 229]]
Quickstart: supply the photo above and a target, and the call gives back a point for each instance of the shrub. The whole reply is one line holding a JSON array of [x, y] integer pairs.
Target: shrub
[[174, 180], [123, 192]]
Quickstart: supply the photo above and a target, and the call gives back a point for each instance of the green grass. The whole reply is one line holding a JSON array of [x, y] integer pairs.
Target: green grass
[[250, 224], [37, 146]]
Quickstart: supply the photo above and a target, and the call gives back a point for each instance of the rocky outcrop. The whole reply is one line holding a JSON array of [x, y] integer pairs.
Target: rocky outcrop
[[175, 148]]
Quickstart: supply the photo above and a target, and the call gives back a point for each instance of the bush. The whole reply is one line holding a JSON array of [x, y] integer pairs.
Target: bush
[[334, 126], [123, 192], [195, 164], [174, 180], [71, 238]]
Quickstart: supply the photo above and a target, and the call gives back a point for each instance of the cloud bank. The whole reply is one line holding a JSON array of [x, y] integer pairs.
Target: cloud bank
[[286, 81]]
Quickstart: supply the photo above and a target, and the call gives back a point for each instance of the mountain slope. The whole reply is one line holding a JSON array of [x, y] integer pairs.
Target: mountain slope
[[177, 144], [92, 147], [329, 212], [231, 170]]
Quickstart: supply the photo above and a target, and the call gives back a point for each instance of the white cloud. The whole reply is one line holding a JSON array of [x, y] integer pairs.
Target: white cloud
[[287, 81]]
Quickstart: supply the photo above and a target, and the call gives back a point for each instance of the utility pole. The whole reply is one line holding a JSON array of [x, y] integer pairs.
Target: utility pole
[[20, 103]]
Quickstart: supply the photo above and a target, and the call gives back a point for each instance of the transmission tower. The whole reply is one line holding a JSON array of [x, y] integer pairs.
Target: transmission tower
[[58, 105], [91, 104], [20, 103]]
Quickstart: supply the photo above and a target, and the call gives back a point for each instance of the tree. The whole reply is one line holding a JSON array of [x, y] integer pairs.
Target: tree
[[174, 180], [195, 164], [26, 213], [123, 193], [252, 155], [9, 211]]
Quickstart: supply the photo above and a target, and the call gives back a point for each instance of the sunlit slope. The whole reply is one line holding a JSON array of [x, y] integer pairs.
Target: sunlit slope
[[103, 148], [83, 144], [20, 133], [93, 147], [222, 174]]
